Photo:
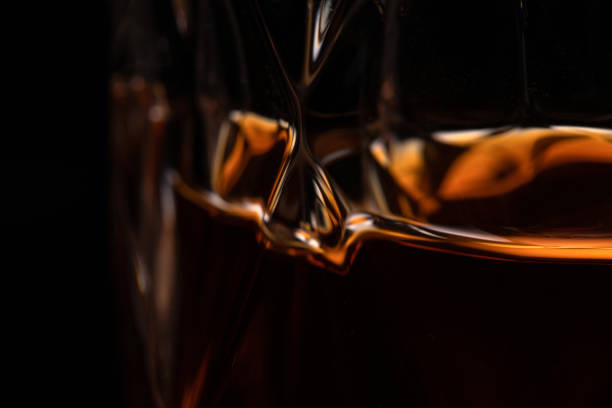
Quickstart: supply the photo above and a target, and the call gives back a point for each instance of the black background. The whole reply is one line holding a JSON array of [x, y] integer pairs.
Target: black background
[[61, 314]]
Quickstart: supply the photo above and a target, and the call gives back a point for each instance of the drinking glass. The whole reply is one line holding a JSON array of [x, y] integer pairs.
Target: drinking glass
[[363, 203]]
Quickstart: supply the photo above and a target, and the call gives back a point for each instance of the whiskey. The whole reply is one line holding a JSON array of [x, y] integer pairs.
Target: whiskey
[[402, 325], [389, 321]]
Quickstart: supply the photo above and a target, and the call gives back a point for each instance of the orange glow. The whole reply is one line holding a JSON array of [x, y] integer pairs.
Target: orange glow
[[481, 167]]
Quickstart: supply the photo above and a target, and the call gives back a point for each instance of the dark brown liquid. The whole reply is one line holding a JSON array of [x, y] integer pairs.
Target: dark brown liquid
[[264, 321], [404, 327]]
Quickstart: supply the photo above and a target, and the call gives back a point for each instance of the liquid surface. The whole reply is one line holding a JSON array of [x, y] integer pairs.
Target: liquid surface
[[527, 193]]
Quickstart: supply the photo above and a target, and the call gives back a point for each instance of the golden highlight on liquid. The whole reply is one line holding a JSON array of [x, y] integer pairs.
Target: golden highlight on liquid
[[537, 194]]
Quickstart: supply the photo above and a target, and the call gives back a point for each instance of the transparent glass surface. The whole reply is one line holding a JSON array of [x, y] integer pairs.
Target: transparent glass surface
[[365, 203]]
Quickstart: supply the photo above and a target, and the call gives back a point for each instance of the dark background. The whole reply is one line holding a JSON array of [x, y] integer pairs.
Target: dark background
[[60, 307]]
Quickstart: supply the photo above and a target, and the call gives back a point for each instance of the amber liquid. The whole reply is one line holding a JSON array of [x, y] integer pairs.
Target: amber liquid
[[403, 327], [378, 305]]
